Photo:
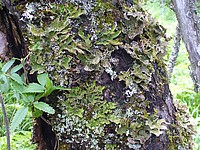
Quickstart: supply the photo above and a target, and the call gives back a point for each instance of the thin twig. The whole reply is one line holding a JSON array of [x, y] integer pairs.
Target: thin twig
[[6, 121], [45, 120], [56, 147]]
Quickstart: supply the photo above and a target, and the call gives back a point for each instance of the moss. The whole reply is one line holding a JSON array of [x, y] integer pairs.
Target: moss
[[1, 5], [183, 129], [110, 55]]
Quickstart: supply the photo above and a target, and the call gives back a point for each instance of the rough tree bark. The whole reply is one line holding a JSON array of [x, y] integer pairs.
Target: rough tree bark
[[110, 54], [190, 29]]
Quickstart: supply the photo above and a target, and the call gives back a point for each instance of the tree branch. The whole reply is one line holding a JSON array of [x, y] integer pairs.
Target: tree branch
[[174, 53], [187, 19], [6, 121]]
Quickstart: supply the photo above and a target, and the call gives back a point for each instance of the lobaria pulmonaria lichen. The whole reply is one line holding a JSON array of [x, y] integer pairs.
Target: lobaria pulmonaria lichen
[[110, 53]]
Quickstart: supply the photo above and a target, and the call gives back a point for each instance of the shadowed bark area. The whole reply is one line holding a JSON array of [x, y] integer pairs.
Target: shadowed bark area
[[43, 135], [110, 55]]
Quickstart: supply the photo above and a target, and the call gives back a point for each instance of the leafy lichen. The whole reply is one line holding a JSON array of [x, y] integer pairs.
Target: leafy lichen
[[110, 55]]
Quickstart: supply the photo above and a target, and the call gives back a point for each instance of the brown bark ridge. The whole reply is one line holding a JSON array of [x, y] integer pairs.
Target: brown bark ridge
[[10, 27], [189, 26], [110, 55]]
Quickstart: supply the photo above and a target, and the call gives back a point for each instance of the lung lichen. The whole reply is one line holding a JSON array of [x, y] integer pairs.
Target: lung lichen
[[110, 55]]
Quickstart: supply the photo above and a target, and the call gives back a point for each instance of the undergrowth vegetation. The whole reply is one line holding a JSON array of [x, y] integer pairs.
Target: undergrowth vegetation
[[21, 98]]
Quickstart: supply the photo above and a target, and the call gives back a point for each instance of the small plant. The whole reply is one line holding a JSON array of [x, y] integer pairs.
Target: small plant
[[191, 98], [27, 94], [20, 140]]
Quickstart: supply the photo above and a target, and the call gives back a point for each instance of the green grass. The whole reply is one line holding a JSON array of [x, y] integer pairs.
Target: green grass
[[19, 141], [181, 80]]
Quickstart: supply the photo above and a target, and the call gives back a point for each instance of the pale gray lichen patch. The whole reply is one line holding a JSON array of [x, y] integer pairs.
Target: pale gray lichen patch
[[3, 46]]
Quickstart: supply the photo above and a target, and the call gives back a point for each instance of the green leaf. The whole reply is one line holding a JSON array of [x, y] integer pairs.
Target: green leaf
[[18, 118], [40, 95], [34, 88], [36, 46], [37, 113], [17, 87], [16, 68], [88, 42], [49, 91], [44, 107], [7, 65], [45, 94], [42, 78], [69, 40], [50, 87], [28, 98], [49, 83], [4, 83], [16, 78]]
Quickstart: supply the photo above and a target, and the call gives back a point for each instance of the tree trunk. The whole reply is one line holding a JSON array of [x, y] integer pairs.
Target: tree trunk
[[110, 54], [189, 26]]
